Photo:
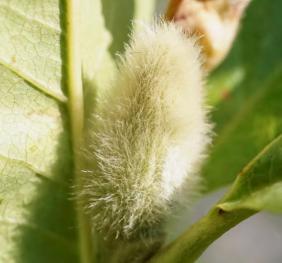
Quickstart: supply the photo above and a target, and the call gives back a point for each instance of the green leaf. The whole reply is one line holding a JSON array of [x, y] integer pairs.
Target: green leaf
[[36, 214], [246, 94], [259, 185], [43, 44]]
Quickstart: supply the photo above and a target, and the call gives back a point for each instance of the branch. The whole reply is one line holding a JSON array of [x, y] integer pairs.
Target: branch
[[189, 246]]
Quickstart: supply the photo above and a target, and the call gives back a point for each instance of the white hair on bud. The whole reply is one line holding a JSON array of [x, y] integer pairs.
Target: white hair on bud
[[149, 134]]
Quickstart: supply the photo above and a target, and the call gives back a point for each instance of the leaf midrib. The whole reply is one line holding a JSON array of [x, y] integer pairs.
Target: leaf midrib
[[73, 75]]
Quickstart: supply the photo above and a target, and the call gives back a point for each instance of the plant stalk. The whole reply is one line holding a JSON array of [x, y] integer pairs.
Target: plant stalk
[[190, 245]]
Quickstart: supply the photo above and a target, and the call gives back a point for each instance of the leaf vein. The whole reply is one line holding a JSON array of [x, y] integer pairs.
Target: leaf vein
[[35, 83], [37, 173]]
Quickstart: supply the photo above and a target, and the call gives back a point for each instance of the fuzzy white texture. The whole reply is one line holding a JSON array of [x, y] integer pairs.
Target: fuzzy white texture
[[148, 134]]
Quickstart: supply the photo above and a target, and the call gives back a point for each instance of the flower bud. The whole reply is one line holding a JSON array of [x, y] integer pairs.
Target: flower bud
[[148, 136]]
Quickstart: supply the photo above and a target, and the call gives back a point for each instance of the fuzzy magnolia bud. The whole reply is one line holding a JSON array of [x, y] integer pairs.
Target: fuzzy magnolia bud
[[148, 135]]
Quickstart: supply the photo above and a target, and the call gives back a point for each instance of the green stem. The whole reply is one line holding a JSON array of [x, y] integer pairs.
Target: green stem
[[189, 246], [75, 105]]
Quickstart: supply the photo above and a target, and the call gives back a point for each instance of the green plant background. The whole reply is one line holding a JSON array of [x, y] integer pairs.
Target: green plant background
[[37, 215]]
